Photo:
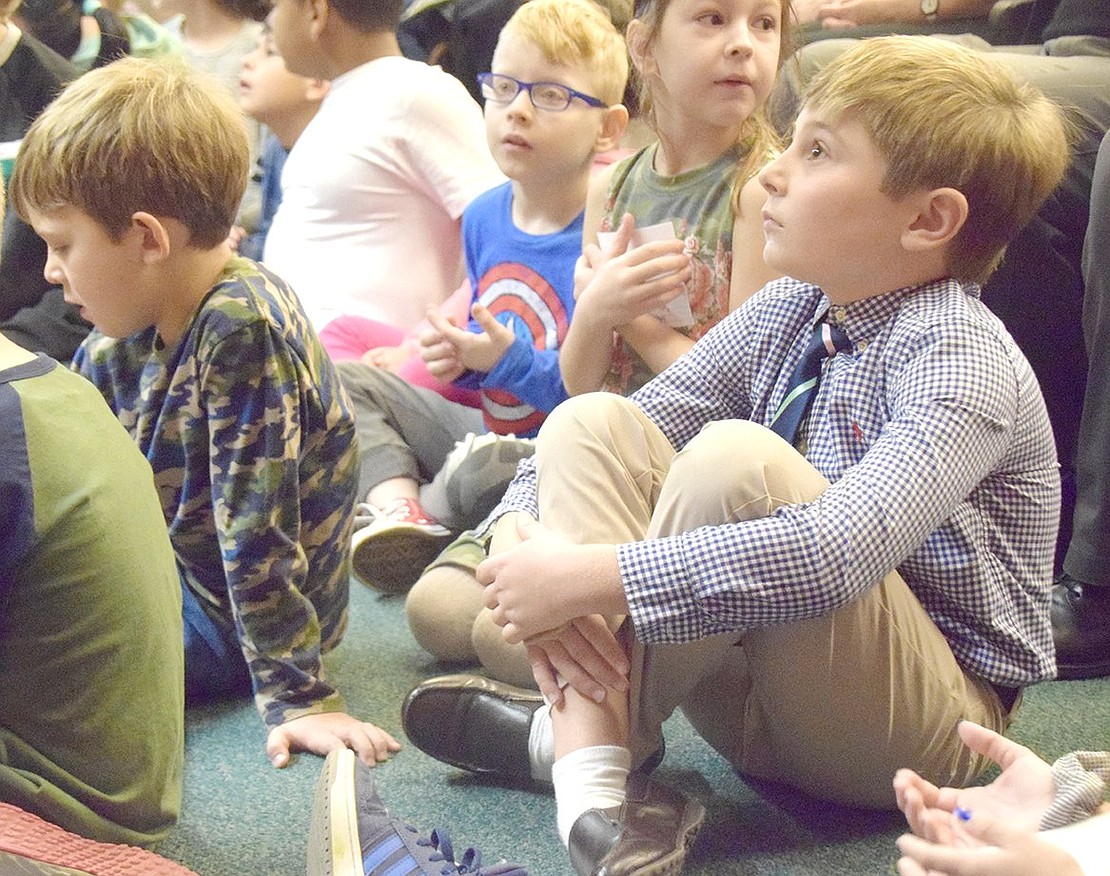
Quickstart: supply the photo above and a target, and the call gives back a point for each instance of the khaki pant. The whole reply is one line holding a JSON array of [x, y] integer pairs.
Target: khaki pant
[[832, 705]]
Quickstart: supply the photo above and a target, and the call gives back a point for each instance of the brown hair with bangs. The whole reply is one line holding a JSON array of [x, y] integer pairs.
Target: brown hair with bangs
[[138, 135]]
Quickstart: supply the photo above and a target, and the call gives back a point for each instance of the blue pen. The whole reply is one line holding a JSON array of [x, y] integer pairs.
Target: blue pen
[[962, 814]]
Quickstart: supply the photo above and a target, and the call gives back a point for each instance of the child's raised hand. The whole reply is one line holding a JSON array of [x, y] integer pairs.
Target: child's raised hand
[[618, 286], [321, 732], [440, 356], [595, 255], [477, 351]]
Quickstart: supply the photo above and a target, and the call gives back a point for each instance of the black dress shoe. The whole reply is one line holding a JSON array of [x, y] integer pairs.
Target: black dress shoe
[[1081, 629], [473, 723], [649, 834]]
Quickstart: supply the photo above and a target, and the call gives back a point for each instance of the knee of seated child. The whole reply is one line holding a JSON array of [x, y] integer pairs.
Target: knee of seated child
[[502, 661], [764, 471], [441, 608]]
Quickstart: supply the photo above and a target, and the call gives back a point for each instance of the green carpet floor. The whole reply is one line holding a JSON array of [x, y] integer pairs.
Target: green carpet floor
[[243, 818]]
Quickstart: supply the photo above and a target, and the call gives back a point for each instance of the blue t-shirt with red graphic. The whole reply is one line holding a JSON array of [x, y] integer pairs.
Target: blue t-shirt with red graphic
[[527, 283]]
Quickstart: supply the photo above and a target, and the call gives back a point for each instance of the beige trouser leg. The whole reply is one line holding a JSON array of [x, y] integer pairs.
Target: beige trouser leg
[[833, 705]]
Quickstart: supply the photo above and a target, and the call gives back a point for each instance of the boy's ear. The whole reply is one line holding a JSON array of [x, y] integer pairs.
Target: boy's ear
[[941, 215], [315, 90], [318, 11], [152, 237], [613, 123]]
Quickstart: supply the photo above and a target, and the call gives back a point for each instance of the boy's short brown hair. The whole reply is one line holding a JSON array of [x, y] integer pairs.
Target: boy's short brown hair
[[256, 10], [138, 135], [947, 116], [369, 15], [576, 33]]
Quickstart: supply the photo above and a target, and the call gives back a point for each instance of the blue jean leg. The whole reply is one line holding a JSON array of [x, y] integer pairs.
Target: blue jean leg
[[214, 664]]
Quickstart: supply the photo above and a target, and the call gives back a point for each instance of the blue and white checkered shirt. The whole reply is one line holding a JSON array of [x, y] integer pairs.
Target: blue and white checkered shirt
[[934, 436]]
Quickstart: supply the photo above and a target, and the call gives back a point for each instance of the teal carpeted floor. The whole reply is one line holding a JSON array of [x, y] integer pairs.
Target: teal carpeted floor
[[243, 818]]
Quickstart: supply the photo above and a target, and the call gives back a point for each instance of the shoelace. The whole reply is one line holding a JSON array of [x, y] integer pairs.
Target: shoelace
[[399, 510], [471, 863], [440, 841]]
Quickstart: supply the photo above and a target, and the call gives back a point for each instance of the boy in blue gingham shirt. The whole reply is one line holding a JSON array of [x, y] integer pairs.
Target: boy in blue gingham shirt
[[827, 616]]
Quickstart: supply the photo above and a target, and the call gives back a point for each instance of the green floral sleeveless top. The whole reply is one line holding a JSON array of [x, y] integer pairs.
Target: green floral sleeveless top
[[699, 204]]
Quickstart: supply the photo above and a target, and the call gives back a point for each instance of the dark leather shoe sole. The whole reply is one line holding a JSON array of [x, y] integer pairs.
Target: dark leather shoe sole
[[1078, 671], [473, 723]]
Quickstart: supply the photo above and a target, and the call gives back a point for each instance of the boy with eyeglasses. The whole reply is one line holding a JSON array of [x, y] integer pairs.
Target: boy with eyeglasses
[[552, 102]]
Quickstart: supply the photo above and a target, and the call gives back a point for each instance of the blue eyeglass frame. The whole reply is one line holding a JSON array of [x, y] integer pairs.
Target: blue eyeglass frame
[[589, 100]]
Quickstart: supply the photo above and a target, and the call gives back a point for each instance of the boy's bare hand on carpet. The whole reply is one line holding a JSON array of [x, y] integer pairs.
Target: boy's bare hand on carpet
[[323, 732]]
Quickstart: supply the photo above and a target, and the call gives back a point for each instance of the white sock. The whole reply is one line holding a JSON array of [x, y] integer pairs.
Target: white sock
[[541, 744], [589, 778]]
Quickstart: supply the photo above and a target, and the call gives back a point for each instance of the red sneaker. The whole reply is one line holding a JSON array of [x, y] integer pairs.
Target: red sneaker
[[393, 545], [28, 844]]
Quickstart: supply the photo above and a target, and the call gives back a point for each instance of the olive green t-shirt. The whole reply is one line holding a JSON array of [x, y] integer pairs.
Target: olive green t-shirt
[[91, 656]]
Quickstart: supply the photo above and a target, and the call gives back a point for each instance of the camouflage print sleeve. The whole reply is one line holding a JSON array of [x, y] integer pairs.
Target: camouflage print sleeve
[[283, 478], [255, 432]]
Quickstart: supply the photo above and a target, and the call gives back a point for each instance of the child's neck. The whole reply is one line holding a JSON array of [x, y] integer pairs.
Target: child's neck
[[194, 272], [11, 354], [549, 207], [676, 157], [289, 128], [349, 49], [209, 28], [681, 150]]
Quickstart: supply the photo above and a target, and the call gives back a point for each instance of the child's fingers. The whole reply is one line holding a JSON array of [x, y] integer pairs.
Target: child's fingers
[[995, 746], [486, 320], [930, 857], [439, 350], [623, 237], [656, 249], [545, 675], [906, 781], [277, 747], [440, 323], [673, 266], [661, 288], [591, 257], [910, 867]]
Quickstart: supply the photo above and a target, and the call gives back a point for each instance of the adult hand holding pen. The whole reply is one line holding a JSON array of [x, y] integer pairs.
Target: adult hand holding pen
[[982, 831], [1020, 795], [1002, 850]]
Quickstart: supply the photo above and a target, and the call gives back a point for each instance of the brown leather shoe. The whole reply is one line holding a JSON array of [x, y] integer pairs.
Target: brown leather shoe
[[648, 835]]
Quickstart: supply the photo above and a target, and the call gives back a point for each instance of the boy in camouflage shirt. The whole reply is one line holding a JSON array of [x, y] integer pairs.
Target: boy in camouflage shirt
[[133, 177]]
